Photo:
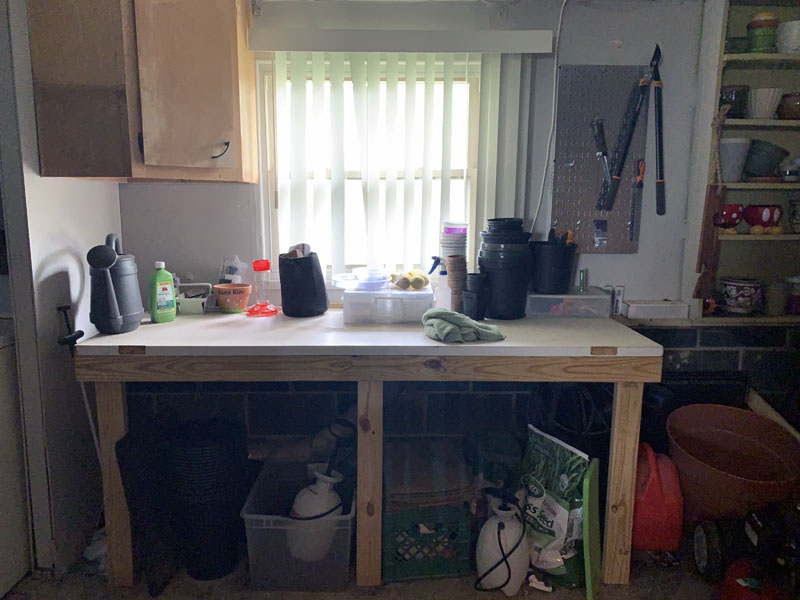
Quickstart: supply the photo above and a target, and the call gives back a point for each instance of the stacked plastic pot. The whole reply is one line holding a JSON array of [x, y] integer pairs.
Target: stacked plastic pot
[[207, 465], [505, 259]]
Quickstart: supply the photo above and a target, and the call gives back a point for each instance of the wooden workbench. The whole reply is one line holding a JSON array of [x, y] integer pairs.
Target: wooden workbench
[[238, 348]]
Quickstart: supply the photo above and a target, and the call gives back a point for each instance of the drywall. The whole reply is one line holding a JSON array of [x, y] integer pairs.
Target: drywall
[[190, 226], [51, 223], [191, 229]]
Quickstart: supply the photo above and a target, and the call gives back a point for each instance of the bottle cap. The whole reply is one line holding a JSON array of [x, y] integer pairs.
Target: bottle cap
[[261, 265], [160, 264]]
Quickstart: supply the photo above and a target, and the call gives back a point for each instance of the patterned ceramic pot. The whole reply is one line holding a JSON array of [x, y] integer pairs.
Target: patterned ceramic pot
[[730, 215], [741, 295], [765, 215], [794, 216]]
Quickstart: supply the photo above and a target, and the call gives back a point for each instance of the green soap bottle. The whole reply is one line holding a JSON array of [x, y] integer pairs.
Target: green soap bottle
[[162, 295]]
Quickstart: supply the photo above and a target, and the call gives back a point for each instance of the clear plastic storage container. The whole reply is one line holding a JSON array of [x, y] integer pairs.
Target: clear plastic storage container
[[594, 303], [387, 305], [272, 566]]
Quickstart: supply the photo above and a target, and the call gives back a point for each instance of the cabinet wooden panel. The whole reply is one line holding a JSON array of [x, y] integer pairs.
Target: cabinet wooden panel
[[187, 79], [95, 121]]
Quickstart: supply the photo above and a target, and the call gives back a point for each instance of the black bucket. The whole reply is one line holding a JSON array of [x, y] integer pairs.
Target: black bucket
[[551, 267]]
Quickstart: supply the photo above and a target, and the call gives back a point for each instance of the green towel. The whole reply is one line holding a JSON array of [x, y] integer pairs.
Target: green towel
[[454, 328]]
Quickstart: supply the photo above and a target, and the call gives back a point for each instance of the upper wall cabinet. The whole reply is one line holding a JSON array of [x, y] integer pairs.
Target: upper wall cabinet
[[151, 89]]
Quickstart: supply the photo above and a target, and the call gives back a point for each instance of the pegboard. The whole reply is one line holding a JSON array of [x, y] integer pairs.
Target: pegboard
[[587, 92]]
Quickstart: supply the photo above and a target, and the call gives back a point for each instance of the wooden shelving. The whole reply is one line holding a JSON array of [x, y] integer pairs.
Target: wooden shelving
[[743, 237], [748, 59], [763, 186], [762, 123], [728, 319]]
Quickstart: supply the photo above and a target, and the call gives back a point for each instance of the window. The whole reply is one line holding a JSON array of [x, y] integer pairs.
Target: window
[[369, 153]]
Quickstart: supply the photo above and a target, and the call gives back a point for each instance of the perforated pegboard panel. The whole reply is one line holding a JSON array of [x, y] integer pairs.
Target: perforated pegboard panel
[[587, 92]]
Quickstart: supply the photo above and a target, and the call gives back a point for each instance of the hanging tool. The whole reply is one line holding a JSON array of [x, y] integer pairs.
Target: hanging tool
[[622, 145], [636, 202], [658, 89], [599, 133], [632, 110]]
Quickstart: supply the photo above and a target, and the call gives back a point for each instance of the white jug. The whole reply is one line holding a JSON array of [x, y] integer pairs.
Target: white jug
[[502, 550], [311, 535]]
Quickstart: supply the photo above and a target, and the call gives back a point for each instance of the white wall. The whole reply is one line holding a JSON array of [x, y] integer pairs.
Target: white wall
[[165, 220], [51, 224], [190, 226], [625, 32]]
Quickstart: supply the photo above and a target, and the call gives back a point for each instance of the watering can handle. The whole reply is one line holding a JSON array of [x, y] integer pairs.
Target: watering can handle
[[654, 477], [113, 241]]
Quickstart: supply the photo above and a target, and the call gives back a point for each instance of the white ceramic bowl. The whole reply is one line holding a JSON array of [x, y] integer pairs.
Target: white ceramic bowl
[[763, 102], [787, 40]]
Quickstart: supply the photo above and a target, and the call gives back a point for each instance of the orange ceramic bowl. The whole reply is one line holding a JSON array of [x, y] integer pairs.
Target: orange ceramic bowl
[[232, 297]]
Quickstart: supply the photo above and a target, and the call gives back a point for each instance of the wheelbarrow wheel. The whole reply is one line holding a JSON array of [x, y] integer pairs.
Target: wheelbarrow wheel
[[708, 552]]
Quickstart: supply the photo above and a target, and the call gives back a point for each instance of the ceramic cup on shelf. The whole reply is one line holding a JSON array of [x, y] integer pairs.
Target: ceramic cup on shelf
[[789, 106], [762, 102], [732, 154], [775, 299], [794, 215], [736, 97], [741, 296], [787, 39], [729, 215]]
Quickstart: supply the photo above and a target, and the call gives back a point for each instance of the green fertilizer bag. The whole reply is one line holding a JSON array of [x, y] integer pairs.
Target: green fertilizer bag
[[552, 476]]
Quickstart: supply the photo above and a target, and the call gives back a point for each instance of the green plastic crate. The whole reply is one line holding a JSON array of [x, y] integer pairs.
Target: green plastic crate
[[426, 543]]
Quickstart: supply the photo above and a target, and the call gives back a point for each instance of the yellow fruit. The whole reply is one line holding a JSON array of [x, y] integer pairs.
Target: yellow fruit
[[417, 282], [757, 230]]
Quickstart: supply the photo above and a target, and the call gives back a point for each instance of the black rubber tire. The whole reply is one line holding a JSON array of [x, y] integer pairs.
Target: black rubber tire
[[708, 553]]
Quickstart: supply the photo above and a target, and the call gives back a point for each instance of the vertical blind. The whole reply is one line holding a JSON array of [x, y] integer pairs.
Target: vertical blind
[[374, 152]]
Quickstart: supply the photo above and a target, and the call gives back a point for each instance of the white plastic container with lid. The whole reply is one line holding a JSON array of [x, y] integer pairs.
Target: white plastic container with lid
[[387, 305]]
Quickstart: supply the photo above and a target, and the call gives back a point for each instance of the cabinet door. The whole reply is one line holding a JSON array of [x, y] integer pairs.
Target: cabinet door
[[187, 78]]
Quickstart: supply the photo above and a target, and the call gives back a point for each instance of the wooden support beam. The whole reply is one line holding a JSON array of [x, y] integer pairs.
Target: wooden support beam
[[370, 483], [112, 418], [627, 414]]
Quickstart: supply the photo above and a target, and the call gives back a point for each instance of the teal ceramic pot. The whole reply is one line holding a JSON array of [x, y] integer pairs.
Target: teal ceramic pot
[[763, 159]]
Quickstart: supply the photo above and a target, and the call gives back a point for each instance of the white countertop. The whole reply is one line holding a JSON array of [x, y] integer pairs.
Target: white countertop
[[239, 335]]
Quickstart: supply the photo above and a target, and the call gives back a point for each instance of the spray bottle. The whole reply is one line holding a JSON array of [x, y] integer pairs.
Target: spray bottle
[[441, 291]]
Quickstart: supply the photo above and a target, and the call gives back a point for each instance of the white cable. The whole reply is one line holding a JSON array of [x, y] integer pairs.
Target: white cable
[[552, 114], [92, 426]]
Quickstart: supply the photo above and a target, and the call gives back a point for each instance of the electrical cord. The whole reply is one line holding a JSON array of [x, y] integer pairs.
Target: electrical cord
[[552, 115]]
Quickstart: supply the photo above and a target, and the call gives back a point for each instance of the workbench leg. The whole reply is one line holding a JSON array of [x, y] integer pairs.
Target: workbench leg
[[626, 418], [112, 423], [369, 483]]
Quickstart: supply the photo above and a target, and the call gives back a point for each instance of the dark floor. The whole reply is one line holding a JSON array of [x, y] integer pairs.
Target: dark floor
[[648, 581]]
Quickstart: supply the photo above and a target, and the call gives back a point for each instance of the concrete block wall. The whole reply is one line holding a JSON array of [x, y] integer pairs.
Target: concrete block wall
[[293, 409]]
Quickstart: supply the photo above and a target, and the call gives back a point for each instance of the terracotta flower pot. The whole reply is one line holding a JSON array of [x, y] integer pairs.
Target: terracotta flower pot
[[232, 297]]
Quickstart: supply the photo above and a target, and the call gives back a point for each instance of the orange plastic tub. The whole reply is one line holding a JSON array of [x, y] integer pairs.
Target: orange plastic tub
[[730, 461]]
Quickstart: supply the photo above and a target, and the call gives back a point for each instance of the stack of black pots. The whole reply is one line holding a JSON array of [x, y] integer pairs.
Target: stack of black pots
[[207, 468], [505, 259]]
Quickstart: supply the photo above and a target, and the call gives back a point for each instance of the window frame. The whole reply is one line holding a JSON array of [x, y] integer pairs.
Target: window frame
[[266, 89]]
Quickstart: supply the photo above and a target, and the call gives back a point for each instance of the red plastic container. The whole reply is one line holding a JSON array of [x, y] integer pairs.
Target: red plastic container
[[742, 569], [658, 508]]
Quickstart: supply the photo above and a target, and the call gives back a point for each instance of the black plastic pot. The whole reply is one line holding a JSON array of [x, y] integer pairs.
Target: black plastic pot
[[507, 289], [551, 267], [475, 304]]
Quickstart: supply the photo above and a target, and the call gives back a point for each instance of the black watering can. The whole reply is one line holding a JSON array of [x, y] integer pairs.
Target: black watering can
[[116, 301]]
